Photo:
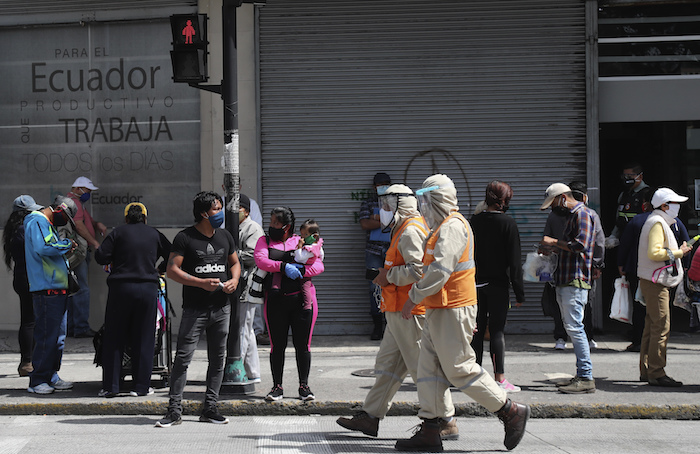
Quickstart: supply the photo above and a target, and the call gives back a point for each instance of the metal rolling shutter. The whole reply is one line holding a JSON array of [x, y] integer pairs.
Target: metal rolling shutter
[[478, 90]]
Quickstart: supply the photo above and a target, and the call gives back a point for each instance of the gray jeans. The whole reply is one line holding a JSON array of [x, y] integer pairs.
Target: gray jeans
[[215, 323]]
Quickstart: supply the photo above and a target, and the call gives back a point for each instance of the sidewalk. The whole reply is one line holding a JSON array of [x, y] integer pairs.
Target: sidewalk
[[340, 382]]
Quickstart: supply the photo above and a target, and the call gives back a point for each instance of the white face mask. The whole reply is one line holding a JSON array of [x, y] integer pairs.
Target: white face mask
[[386, 217], [673, 210]]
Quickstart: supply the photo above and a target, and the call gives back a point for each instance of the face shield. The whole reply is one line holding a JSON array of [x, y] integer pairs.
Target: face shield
[[388, 208], [426, 204]]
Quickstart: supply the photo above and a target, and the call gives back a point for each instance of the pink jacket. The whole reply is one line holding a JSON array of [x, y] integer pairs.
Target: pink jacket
[[263, 261]]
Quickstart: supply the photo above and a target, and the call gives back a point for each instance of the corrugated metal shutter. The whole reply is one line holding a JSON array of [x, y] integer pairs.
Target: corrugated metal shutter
[[14, 12], [478, 90]]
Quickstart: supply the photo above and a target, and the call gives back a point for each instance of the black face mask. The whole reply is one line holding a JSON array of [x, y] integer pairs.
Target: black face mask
[[629, 183], [275, 234], [561, 211], [59, 218]]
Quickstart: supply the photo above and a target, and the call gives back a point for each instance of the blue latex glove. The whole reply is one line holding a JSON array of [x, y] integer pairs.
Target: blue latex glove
[[292, 271]]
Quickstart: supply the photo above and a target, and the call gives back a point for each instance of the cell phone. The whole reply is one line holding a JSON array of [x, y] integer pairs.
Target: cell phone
[[371, 273]]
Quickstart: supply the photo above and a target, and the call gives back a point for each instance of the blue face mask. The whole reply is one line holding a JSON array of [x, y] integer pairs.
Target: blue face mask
[[216, 220], [84, 197]]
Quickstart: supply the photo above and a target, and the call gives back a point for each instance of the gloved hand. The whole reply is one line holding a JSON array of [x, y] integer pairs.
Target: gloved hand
[[292, 271], [611, 242]]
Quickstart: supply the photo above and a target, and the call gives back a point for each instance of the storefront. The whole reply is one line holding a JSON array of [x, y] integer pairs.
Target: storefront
[[649, 61], [329, 94]]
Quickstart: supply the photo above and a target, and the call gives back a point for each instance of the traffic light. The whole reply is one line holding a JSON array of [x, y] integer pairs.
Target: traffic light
[[189, 54]]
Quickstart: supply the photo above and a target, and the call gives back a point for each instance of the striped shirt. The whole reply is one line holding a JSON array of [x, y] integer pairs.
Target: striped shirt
[[574, 268]]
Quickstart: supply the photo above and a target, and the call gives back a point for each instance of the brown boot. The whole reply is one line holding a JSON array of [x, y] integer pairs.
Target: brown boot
[[361, 422], [449, 430], [426, 439], [514, 417], [25, 369]]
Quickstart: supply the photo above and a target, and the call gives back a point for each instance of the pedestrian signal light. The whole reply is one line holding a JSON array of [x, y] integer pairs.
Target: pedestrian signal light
[[189, 54]]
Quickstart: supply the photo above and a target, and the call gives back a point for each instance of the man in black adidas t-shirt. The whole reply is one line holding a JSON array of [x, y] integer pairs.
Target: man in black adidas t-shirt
[[203, 259]]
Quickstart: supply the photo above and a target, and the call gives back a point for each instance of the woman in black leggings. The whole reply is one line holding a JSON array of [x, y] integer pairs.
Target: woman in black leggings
[[284, 302], [497, 254]]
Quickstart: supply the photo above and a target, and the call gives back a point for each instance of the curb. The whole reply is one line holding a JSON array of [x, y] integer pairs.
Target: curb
[[247, 408]]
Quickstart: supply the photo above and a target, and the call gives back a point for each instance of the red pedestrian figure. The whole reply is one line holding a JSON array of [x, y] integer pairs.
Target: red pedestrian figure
[[189, 32]]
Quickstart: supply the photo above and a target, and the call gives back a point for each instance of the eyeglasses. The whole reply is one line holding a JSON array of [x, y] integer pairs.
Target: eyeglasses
[[629, 176]]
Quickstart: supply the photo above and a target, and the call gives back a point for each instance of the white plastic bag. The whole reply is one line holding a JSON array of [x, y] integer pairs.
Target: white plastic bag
[[539, 267], [621, 307], [681, 298]]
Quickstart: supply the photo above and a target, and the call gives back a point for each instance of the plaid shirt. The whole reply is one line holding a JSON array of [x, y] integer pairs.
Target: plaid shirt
[[579, 235]]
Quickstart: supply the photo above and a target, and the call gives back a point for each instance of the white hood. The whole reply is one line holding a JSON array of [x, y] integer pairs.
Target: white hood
[[443, 200]]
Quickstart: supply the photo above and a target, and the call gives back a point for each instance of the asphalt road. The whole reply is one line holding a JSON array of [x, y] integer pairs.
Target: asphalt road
[[320, 434]]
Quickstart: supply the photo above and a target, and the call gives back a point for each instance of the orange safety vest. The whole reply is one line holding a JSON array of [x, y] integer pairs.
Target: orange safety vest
[[460, 289], [394, 297]]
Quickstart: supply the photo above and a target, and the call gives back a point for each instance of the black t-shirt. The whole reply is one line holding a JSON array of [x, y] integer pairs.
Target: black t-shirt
[[206, 258]]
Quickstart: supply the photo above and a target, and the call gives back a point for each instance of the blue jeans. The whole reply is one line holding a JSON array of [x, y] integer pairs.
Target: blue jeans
[[79, 304], [375, 291], [572, 304], [49, 337], [215, 323]]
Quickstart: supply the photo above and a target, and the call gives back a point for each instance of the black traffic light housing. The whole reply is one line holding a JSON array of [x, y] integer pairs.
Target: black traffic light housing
[[189, 54]]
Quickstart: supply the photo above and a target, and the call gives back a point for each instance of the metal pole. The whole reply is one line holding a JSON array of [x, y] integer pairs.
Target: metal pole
[[235, 379]]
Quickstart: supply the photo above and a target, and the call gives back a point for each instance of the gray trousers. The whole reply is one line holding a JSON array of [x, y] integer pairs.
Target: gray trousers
[[194, 322], [249, 346]]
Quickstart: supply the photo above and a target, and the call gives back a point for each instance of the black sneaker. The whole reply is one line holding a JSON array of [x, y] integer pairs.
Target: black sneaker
[[170, 419], [275, 394], [305, 393], [212, 415]]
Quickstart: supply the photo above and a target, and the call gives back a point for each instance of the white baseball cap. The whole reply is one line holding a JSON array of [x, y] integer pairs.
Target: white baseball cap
[[665, 195], [84, 182], [552, 192]]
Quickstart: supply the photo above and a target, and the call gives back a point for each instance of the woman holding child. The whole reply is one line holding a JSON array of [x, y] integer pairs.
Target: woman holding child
[[290, 298]]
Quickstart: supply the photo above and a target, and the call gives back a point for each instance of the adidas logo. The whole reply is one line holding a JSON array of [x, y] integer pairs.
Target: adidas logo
[[210, 268]]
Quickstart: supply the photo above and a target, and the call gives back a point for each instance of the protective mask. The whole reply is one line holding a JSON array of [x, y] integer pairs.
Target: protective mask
[[311, 239], [275, 234], [382, 189], [59, 218], [386, 217], [241, 216], [216, 220], [673, 210], [84, 197], [629, 182]]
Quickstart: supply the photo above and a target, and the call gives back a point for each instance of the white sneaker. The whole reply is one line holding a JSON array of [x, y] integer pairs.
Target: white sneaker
[[508, 386], [150, 392], [560, 344], [592, 344]]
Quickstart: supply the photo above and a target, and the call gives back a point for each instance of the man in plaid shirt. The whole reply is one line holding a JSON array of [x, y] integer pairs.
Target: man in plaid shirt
[[573, 279]]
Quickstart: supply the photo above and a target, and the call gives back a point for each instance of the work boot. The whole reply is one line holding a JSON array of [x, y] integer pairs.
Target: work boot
[[426, 439], [361, 422], [448, 429], [514, 417]]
